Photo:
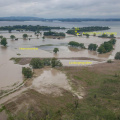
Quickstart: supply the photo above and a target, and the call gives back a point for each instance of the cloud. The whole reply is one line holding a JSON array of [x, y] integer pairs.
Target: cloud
[[61, 8]]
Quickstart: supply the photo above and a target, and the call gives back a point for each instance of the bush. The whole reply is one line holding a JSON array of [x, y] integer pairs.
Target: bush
[[55, 50], [25, 36], [92, 47], [55, 62], [109, 61], [117, 56], [47, 61], [36, 63], [76, 44], [112, 41], [27, 72], [4, 42]]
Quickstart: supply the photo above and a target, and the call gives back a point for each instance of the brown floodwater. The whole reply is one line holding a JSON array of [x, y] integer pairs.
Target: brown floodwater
[[50, 82], [10, 73]]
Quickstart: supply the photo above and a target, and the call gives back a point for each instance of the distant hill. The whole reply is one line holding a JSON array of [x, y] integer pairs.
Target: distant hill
[[55, 19], [21, 19]]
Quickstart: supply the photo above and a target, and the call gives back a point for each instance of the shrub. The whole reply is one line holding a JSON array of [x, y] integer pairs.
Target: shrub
[[36, 63], [76, 44], [117, 56], [27, 72], [92, 47], [55, 62], [4, 42], [25, 36], [109, 61], [55, 50], [47, 61]]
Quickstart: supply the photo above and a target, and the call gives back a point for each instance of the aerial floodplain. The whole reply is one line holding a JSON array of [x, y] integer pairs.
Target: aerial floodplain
[[63, 63]]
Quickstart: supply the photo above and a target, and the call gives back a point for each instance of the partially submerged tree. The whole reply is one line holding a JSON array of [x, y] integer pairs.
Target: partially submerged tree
[[87, 35], [37, 35], [36, 63], [43, 37], [1, 36], [55, 50], [12, 37], [94, 34], [4, 41], [25, 36], [47, 61], [55, 62], [92, 47], [117, 56], [112, 36], [27, 72]]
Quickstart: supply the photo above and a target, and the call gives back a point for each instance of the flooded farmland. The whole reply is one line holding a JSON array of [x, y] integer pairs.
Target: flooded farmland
[[10, 73]]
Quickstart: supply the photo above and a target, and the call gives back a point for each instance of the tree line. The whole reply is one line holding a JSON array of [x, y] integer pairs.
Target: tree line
[[86, 29], [103, 48], [29, 28], [37, 63], [50, 33]]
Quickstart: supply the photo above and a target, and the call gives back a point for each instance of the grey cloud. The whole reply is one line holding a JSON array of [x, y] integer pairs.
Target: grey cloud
[[60, 8]]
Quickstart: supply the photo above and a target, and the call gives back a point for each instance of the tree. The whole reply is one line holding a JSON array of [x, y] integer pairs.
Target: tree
[[47, 61], [25, 36], [94, 34], [12, 37], [4, 42], [104, 35], [92, 47], [1, 36], [55, 62], [36, 63], [73, 43], [27, 72], [101, 49], [112, 41], [37, 35], [112, 36], [81, 45], [108, 46], [87, 35], [43, 37], [117, 56], [10, 30], [55, 50]]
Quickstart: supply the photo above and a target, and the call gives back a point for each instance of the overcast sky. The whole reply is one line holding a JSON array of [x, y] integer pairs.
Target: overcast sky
[[61, 8]]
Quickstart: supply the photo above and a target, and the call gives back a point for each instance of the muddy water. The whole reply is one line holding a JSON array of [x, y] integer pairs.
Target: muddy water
[[51, 81], [10, 73]]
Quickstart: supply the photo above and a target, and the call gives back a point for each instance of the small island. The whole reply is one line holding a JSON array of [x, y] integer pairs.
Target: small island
[[74, 31], [54, 35]]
